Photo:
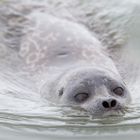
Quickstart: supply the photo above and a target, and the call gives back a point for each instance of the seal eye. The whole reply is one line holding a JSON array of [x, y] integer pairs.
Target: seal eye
[[118, 91], [80, 97], [61, 91]]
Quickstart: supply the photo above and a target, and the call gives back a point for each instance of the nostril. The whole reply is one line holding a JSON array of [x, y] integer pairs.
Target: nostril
[[113, 103], [105, 104]]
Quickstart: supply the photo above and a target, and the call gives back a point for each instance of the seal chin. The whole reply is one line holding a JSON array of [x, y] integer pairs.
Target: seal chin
[[113, 113], [109, 113]]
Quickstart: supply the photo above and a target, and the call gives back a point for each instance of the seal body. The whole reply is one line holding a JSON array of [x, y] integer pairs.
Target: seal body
[[74, 67]]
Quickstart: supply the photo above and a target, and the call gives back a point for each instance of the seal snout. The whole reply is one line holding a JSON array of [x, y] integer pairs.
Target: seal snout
[[109, 103]]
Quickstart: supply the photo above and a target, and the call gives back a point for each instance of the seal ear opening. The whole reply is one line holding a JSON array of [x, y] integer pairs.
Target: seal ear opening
[[61, 91]]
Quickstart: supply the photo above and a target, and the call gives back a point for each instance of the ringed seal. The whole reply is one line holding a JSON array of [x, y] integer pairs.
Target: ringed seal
[[76, 69]]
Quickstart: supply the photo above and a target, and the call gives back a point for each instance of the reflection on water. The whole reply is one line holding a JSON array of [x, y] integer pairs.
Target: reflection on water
[[23, 114]]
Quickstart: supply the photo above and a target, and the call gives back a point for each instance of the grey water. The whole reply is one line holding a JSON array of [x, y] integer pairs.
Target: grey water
[[23, 115]]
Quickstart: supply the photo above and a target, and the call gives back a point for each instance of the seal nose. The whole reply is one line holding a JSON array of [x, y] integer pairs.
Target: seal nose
[[110, 103]]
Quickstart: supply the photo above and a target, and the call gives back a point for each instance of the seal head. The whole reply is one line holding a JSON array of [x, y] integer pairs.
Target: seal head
[[99, 92]]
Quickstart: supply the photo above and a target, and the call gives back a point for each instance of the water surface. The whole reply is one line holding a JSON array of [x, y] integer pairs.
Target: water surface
[[24, 115]]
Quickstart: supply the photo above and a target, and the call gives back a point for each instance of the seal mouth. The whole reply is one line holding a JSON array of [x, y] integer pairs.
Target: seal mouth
[[106, 113], [115, 112]]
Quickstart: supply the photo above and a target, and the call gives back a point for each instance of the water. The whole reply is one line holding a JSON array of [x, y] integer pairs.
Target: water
[[24, 115]]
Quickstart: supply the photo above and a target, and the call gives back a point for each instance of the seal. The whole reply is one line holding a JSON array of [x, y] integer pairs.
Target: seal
[[76, 70]]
